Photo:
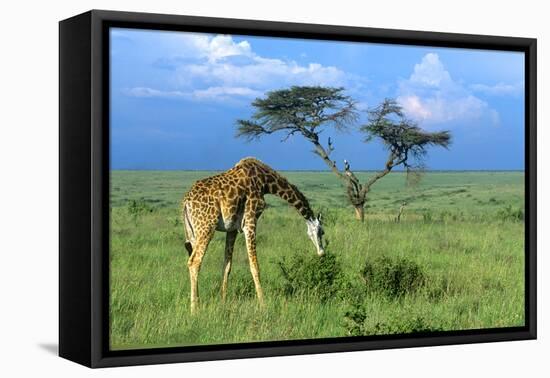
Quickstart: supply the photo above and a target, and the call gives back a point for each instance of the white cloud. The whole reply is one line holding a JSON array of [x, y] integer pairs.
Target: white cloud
[[229, 63], [499, 89], [217, 67], [431, 96], [210, 93], [215, 48], [430, 72], [217, 92], [263, 73], [145, 92], [414, 107]]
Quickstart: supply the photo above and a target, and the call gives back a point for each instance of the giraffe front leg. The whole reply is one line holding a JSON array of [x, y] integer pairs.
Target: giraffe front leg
[[250, 236], [253, 209], [229, 245]]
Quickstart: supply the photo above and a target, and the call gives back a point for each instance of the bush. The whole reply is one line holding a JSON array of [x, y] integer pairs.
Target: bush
[[358, 323], [510, 214], [393, 277], [310, 274], [351, 289], [138, 207]]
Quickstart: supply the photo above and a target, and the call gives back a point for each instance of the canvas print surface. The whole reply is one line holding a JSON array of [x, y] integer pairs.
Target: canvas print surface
[[267, 189]]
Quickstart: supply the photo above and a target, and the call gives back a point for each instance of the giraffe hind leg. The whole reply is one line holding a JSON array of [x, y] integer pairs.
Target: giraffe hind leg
[[229, 245], [194, 265], [202, 237]]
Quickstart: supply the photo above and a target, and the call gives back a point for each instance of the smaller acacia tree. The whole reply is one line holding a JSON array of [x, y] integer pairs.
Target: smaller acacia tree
[[405, 142]]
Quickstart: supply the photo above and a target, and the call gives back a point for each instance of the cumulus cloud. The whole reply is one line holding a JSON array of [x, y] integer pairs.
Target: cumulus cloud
[[413, 106], [213, 48], [430, 72], [226, 62], [218, 67], [430, 95]]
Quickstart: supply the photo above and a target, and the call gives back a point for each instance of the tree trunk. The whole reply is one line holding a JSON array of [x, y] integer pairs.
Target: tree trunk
[[359, 212]]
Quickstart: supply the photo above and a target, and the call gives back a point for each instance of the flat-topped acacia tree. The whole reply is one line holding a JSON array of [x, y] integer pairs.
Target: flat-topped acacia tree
[[405, 142], [308, 110]]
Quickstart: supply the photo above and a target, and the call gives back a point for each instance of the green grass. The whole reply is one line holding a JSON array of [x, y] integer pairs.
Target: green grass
[[461, 232]]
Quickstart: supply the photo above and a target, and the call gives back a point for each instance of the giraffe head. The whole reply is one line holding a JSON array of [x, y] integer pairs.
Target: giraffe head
[[315, 233]]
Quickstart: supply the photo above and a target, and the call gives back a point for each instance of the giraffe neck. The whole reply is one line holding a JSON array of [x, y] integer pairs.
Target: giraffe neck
[[279, 186]]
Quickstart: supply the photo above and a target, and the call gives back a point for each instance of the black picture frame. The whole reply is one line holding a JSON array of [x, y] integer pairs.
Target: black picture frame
[[84, 187]]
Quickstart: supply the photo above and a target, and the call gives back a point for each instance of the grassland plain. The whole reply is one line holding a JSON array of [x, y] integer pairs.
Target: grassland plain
[[455, 261]]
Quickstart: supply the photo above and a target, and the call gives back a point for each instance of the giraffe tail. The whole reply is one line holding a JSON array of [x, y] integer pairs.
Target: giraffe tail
[[189, 232], [189, 247]]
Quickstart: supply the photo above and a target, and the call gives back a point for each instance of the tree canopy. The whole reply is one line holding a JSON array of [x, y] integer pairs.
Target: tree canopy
[[401, 136], [299, 109]]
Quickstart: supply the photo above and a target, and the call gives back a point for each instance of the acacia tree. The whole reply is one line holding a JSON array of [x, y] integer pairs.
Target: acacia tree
[[405, 142], [304, 110], [308, 110]]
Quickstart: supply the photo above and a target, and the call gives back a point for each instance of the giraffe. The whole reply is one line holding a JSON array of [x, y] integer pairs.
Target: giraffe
[[232, 202]]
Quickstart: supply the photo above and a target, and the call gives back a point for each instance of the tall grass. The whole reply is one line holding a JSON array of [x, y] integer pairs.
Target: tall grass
[[461, 267]]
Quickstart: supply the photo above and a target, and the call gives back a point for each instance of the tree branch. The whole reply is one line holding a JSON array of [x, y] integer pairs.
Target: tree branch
[[320, 150], [289, 134], [390, 163]]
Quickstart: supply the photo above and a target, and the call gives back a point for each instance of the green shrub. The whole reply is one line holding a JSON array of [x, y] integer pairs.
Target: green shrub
[[393, 277], [351, 289], [310, 274], [508, 213], [138, 207], [354, 321], [358, 323]]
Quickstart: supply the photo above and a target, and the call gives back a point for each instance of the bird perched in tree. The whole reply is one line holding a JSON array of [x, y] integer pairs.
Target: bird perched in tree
[[346, 165]]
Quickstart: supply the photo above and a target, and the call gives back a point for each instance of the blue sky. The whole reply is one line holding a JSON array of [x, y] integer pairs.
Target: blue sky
[[175, 98]]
